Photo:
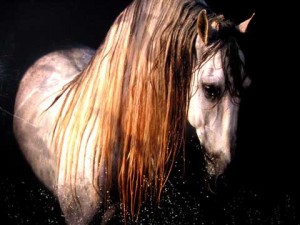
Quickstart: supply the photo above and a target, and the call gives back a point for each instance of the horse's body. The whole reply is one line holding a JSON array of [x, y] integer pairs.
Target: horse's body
[[82, 121], [35, 134]]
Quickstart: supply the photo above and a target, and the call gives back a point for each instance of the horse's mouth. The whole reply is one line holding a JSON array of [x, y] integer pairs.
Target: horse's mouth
[[215, 163]]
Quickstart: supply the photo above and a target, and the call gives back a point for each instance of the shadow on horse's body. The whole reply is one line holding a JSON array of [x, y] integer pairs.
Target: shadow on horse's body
[[91, 123]]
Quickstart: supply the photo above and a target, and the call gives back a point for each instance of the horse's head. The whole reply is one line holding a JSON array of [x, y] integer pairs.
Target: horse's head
[[215, 90]]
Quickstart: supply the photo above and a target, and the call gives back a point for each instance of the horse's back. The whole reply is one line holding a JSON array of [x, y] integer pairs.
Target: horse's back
[[34, 118]]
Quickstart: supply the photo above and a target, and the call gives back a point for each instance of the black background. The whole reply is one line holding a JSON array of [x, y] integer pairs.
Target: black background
[[261, 185]]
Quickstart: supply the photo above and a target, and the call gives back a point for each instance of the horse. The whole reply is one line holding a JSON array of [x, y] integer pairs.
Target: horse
[[93, 123]]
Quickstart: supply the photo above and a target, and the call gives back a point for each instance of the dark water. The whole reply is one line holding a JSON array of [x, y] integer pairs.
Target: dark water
[[260, 187]]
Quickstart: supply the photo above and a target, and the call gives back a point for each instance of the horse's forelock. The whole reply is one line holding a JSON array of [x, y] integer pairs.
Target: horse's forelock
[[232, 63], [225, 39]]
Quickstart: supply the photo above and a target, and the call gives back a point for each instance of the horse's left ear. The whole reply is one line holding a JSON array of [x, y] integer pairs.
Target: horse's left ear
[[242, 27], [202, 26]]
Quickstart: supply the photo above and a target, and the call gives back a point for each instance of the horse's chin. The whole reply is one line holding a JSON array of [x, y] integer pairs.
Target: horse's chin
[[215, 168], [216, 163]]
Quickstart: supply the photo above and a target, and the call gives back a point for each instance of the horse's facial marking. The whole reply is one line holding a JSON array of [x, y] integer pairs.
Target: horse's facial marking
[[213, 112]]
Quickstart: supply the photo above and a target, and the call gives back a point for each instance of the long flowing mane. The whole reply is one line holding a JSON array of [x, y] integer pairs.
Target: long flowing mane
[[126, 112]]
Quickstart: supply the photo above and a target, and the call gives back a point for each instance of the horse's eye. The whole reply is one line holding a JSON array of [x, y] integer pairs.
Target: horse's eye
[[211, 92]]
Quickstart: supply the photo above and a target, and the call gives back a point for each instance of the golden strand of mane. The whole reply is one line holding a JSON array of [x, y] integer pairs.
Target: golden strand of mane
[[130, 103]]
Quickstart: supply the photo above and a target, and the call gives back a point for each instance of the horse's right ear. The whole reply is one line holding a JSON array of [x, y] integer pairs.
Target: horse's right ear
[[242, 27], [202, 26]]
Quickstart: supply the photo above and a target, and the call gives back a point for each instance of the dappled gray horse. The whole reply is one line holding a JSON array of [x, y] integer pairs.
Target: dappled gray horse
[[89, 122]]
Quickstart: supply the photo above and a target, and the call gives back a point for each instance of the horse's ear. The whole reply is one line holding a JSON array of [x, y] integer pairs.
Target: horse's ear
[[242, 27], [202, 26]]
